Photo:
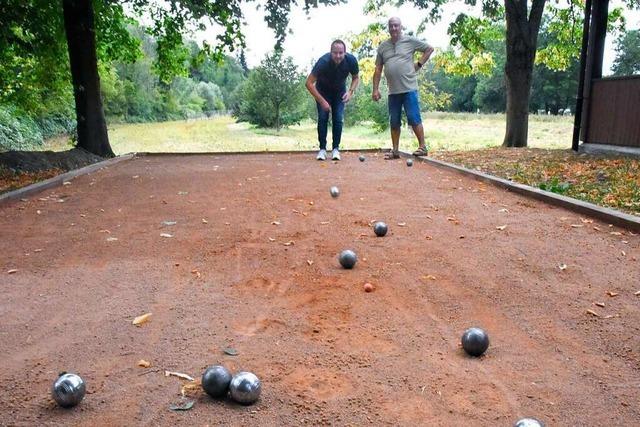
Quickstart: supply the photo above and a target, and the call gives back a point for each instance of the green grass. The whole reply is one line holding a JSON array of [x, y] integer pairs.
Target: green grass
[[444, 131]]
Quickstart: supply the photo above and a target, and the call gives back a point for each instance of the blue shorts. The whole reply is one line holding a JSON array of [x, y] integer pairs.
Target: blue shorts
[[411, 107]]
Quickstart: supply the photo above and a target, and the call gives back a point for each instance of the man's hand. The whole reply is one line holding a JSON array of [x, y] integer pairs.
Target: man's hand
[[376, 95], [325, 105], [347, 97]]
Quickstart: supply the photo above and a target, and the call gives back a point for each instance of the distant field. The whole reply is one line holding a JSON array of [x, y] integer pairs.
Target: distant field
[[444, 131]]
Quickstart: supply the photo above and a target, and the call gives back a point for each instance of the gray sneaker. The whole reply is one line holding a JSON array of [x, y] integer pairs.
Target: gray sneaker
[[322, 155], [335, 154]]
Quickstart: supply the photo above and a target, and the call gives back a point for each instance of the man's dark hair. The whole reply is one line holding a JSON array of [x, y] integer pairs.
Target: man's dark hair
[[338, 41]]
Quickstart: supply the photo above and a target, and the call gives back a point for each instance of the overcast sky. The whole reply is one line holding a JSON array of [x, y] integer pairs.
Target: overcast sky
[[313, 33]]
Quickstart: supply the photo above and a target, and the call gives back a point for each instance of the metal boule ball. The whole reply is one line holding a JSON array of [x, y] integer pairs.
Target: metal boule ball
[[409, 162], [380, 228], [335, 192], [528, 422], [348, 258], [68, 390], [362, 158], [245, 388], [216, 380], [475, 341]]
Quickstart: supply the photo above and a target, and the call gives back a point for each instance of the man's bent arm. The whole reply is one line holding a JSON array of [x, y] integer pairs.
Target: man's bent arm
[[425, 55], [355, 81], [311, 87]]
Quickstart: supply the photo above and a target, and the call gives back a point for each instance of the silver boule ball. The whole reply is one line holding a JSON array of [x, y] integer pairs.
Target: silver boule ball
[[216, 380], [68, 390], [475, 341], [335, 192], [362, 158], [380, 228], [348, 258], [245, 388], [409, 162], [528, 422]]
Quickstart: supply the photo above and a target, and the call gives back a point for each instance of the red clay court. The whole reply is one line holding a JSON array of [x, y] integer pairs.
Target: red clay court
[[251, 264]]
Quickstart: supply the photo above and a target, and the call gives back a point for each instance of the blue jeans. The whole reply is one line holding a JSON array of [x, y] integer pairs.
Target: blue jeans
[[337, 118], [408, 100]]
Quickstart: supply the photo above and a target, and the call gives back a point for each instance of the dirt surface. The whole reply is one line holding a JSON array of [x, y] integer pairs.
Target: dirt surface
[[252, 265]]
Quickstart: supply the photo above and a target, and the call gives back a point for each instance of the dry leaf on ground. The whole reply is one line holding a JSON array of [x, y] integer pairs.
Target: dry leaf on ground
[[141, 319]]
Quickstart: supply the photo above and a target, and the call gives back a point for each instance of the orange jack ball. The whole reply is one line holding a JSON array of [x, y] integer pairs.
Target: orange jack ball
[[368, 287]]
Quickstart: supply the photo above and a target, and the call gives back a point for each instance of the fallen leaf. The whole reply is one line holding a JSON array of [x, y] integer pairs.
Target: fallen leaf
[[166, 235], [402, 224], [190, 388], [623, 253], [204, 221], [230, 351], [66, 183], [289, 243], [429, 277], [169, 223], [615, 233], [595, 227], [178, 374], [196, 272], [637, 293], [291, 199], [112, 239], [37, 250], [501, 227], [599, 304], [324, 222], [141, 319], [143, 363], [562, 267], [505, 210], [271, 239], [586, 221], [12, 271], [105, 231], [309, 262], [295, 211], [577, 225], [612, 294], [182, 406], [311, 203], [593, 313], [428, 237], [275, 222]]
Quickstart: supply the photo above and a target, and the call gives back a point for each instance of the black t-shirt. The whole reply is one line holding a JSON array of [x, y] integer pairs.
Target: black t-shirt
[[331, 77]]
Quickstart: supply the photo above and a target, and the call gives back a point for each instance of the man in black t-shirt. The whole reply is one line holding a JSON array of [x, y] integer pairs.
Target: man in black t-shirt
[[327, 85]]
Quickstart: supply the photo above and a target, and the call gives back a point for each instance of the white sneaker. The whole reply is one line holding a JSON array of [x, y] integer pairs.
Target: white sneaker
[[322, 155], [335, 154]]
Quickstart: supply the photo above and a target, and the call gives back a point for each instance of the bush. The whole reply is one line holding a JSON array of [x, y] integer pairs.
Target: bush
[[18, 131]]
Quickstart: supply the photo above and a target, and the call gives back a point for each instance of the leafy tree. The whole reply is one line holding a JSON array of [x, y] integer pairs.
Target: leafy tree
[[41, 30], [521, 20], [273, 94], [627, 48]]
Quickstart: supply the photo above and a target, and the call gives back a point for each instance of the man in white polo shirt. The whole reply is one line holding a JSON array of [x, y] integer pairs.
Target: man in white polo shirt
[[396, 57]]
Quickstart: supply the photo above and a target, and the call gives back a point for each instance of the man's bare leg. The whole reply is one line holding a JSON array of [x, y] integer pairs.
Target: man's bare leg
[[395, 139], [419, 131]]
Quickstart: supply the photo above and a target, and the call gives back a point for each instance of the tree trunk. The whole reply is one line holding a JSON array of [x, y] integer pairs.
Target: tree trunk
[[81, 41], [278, 117], [522, 42]]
